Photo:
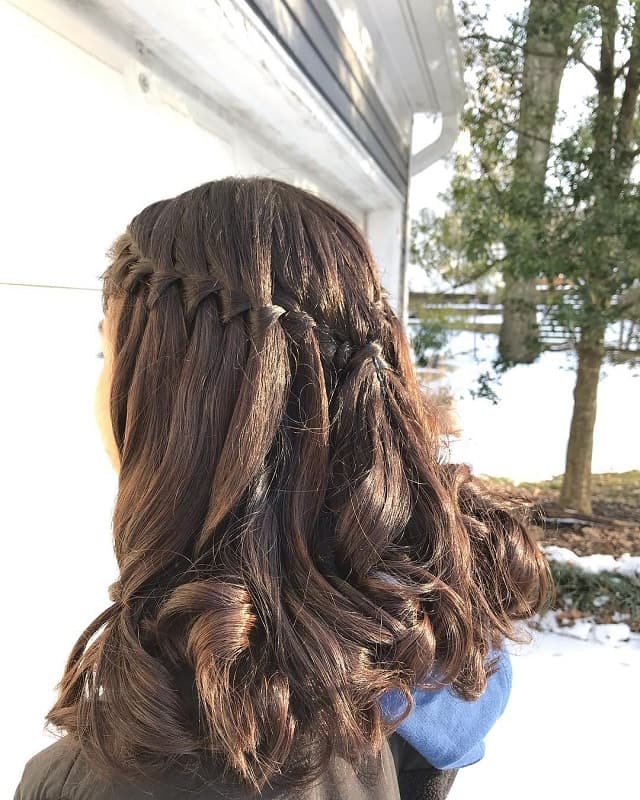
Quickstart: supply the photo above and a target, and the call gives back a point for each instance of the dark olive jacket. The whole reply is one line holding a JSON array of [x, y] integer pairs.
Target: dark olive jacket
[[60, 772]]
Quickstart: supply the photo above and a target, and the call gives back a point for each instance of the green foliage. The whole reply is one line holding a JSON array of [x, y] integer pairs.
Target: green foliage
[[431, 336], [485, 390], [546, 199], [581, 226], [599, 595]]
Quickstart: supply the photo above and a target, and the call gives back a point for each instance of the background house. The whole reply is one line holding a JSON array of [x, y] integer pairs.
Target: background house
[[114, 103], [109, 105]]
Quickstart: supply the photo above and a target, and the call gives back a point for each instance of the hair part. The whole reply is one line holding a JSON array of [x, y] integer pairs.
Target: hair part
[[291, 540]]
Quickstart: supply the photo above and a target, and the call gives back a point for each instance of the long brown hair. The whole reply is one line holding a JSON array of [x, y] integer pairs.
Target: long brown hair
[[291, 540]]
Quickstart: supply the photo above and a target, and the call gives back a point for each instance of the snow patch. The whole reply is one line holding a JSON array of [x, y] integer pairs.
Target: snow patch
[[524, 436], [586, 629], [612, 633], [626, 565], [568, 728]]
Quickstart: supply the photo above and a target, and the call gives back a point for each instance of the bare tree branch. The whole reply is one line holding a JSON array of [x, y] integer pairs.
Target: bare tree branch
[[604, 114], [574, 56], [480, 273], [628, 106], [489, 38], [620, 71], [511, 127], [574, 53]]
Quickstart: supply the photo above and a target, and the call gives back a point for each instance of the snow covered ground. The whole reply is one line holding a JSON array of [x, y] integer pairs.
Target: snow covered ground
[[524, 436], [626, 565], [570, 729]]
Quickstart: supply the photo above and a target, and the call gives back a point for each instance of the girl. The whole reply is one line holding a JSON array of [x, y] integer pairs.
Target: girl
[[299, 565]]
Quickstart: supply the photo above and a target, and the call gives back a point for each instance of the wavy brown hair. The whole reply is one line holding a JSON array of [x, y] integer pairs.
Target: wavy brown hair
[[291, 540]]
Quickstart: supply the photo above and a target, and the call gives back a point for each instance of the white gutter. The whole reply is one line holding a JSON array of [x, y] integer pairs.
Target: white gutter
[[441, 147]]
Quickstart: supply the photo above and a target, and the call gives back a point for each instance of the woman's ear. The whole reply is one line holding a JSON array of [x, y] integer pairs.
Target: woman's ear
[[102, 398]]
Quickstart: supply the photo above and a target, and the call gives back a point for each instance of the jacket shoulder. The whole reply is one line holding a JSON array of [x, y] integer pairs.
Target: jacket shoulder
[[61, 772], [45, 774]]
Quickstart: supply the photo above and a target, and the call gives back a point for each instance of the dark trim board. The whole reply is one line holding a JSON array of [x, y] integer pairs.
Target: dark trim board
[[312, 36]]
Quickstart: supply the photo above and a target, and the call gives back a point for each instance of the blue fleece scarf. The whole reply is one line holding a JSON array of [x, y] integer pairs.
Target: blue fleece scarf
[[447, 731]]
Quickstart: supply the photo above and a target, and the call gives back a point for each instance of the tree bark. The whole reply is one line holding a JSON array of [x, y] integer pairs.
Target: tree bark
[[519, 335], [613, 133], [549, 27], [576, 484]]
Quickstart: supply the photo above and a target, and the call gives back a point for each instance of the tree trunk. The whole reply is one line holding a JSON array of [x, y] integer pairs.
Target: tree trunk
[[576, 484], [549, 27], [519, 341], [612, 133]]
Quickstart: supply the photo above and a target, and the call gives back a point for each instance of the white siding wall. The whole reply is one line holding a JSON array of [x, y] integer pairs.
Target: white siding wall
[[384, 230], [82, 149]]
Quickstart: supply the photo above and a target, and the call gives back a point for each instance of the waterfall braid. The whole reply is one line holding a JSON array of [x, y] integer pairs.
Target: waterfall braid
[[291, 540]]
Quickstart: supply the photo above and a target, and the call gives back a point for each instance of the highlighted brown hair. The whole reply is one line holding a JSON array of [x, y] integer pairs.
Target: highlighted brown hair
[[290, 538]]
